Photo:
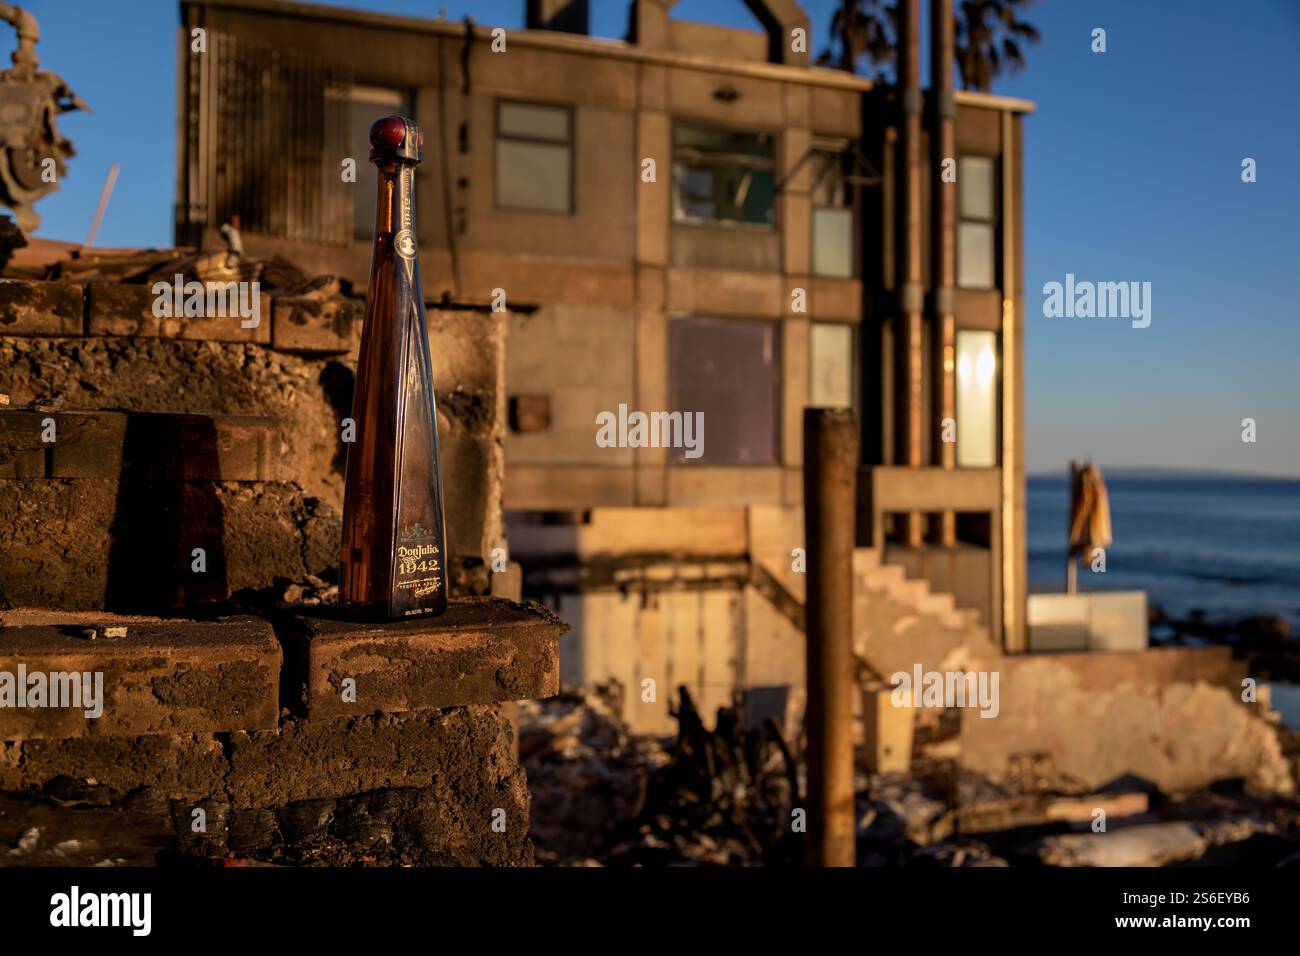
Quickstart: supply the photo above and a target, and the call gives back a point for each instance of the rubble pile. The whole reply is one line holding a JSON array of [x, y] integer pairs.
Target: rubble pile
[[602, 796], [586, 773], [723, 797]]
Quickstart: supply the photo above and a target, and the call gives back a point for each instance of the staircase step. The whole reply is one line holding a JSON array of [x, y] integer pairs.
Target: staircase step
[[865, 559], [884, 576]]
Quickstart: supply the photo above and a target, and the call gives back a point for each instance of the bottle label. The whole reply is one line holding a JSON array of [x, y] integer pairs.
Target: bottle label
[[419, 571], [404, 243]]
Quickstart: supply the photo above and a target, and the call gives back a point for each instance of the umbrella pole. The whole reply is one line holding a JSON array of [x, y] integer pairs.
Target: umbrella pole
[[1070, 580]]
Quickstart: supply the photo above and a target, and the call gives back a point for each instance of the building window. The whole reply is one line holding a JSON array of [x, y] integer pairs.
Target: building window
[[977, 399], [977, 200], [830, 365], [723, 176], [832, 213], [727, 369], [534, 161], [365, 105]]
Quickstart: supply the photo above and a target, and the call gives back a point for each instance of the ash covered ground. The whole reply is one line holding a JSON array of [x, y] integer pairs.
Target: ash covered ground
[[723, 795]]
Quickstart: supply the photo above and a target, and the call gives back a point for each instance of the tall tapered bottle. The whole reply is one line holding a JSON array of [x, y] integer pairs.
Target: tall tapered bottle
[[394, 549]]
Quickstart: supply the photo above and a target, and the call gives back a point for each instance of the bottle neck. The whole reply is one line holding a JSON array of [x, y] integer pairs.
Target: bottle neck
[[395, 206]]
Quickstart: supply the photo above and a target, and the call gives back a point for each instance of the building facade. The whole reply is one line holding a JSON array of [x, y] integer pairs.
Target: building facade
[[695, 219]]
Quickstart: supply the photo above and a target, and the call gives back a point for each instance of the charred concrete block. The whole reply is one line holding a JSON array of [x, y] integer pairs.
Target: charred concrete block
[[301, 759], [229, 327], [312, 325], [116, 308], [483, 650], [466, 463], [173, 677], [149, 447], [180, 766], [130, 545], [23, 452], [467, 353], [66, 444], [423, 788], [40, 308], [332, 757], [467, 350], [166, 447]]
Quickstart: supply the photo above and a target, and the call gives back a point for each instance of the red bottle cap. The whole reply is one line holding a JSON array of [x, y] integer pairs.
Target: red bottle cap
[[395, 138], [389, 132]]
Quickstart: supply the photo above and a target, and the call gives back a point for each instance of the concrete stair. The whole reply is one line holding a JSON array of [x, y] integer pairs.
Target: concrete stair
[[877, 576]]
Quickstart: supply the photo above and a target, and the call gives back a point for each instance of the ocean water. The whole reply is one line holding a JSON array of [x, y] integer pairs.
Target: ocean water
[[1227, 547]]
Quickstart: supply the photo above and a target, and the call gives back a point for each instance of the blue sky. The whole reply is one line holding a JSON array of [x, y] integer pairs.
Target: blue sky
[[1132, 172]]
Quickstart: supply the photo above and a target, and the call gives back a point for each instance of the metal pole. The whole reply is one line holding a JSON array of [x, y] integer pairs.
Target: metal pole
[[1071, 581], [103, 204], [943, 327], [909, 286], [830, 437]]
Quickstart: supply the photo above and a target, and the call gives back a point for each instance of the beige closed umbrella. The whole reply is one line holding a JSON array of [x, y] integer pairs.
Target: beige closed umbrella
[[1089, 519]]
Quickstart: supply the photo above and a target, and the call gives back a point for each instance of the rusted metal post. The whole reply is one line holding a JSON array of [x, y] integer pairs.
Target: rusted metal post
[[909, 281], [830, 442], [943, 325]]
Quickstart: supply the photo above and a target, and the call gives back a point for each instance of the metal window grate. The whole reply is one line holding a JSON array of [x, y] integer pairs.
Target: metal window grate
[[266, 134]]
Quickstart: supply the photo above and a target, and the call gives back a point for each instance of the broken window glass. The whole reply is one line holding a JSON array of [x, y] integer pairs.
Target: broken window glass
[[723, 176]]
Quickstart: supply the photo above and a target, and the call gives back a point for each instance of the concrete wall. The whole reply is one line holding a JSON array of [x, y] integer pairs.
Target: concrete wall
[[1173, 717], [675, 638]]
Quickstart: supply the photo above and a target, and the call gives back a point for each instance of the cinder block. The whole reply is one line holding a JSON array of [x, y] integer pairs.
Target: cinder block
[[216, 448], [467, 351], [217, 328], [85, 445], [22, 453], [128, 545], [156, 447], [173, 677], [180, 765], [298, 760], [312, 758], [483, 650], [40, 308], [116, 308], [322, 326]]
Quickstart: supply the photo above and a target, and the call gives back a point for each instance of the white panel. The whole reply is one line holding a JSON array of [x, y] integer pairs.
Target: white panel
[[977, 383], [975, 187], [830, 373], [832, 241], [975, 255]]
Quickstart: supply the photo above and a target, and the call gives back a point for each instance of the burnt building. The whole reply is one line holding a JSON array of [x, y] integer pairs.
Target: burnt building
[[694, 219]]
